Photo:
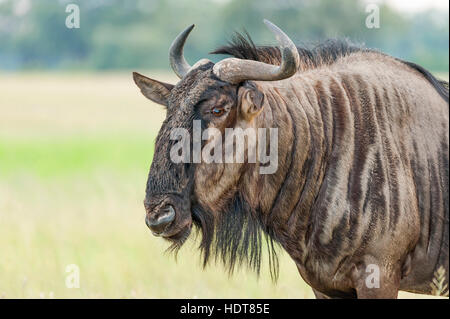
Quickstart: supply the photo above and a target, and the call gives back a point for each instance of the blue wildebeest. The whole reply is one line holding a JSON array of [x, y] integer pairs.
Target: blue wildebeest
[[361, 187]]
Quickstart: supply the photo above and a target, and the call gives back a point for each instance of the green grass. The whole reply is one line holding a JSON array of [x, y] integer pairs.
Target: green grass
[[47, 157], [96, 221], [74, 157]]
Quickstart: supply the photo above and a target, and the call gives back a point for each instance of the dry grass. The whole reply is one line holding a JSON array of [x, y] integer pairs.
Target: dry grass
[[438, 285]]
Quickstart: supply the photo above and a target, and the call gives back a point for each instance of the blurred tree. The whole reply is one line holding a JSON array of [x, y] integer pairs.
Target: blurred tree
[[117, 34]]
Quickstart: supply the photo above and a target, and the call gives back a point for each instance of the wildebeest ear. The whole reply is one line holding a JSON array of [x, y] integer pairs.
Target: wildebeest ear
[[251, 102], [154, 90]]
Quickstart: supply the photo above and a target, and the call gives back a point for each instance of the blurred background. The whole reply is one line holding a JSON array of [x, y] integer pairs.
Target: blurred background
[[76, 135]]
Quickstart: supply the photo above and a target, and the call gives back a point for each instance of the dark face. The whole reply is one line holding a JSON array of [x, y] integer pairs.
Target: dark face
[[170, 187], [212, 98], [219, 96], [174, 188]]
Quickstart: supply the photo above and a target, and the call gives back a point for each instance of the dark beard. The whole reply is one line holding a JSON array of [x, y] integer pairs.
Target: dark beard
[[235, 236]]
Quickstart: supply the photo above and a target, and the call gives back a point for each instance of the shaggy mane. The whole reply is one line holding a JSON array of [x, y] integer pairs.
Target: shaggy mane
[[241, 46]]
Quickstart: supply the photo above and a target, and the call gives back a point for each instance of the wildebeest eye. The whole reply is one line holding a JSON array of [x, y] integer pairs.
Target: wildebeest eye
[[217, 111]]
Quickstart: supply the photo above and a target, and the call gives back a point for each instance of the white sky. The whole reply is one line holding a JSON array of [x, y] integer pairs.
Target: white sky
[[416, 5]]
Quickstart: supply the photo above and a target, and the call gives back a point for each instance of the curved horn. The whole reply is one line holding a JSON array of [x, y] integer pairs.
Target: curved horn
[[235, 70], [176, 58]]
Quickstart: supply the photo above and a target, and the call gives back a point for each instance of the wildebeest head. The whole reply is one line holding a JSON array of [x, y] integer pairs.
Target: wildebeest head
[[220, 96]]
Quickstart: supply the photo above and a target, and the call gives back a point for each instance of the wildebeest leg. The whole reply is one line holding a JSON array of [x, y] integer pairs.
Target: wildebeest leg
[[320, 295], [374, 281]]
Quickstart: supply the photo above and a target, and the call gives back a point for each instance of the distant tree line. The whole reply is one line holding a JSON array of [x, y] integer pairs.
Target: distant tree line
[[124, 34]]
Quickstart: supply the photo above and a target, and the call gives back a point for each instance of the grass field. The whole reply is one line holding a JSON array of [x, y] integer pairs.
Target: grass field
[[74, 156]]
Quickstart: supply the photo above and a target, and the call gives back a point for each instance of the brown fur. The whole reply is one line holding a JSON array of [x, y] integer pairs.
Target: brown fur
[[362, 175]]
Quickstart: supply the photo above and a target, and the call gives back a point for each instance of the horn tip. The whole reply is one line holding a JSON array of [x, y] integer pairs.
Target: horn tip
[[272, 26], [268, 23]]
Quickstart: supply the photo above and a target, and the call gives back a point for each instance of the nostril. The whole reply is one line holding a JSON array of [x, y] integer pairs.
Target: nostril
[[159, 221], [165, 215]]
